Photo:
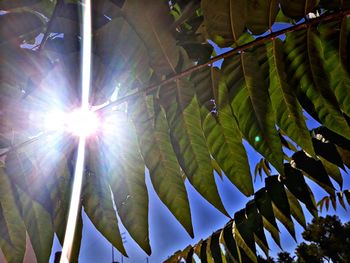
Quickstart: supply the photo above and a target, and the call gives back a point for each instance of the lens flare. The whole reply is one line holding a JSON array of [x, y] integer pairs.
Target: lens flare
[[83, 117], [82, 123]]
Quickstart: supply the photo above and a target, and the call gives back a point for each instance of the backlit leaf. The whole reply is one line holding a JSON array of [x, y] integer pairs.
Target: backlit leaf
[[249, 99], [12, 229], [225, 20]]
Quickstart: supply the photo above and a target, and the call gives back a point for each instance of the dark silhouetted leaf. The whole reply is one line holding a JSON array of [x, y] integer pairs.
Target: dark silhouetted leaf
[[256, 219], [264, 204], [261, 15], [280, 204], [244, 230], [295, 182], [215, 247], [298, 8], [229, 240], [328, 151], [314, 169]]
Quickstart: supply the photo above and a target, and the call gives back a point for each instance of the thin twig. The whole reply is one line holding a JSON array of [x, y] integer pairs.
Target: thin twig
[[257, 41], [22, 144], [50, 23]]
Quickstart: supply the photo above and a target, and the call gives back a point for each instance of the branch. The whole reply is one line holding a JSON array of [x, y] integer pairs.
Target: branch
[[22, 144], [258, 41]]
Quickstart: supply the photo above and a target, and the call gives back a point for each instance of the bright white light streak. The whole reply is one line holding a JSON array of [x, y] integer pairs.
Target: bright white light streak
[[74, 203], [79, 167], [86, 60]]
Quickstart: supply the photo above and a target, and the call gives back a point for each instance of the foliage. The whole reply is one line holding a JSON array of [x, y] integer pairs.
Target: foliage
[[330, 238], [327, 240], [184, 118]]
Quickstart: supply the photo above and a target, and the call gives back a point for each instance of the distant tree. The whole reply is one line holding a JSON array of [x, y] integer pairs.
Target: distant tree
[[265, 260], [329, 240], [285, 257]]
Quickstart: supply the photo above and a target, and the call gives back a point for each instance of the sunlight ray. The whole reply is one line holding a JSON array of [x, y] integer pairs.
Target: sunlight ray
[[79, 168]]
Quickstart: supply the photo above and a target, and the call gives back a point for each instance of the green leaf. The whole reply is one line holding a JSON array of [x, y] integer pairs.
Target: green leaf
[[225, 142], [153, 135], [151, 21], [225, 20], [308, 73], [336, 60], [60, 187], [250, 102], [183, 115], [261, 15], [280, 204], [60, 192], [288, 112], [333, 171], [264, 204], [295, 209], [28, 178], [39, 226], [98, 205], [127, 181], [122, 50], [344, 42], [12, 229], [223, 137], [298, 8]]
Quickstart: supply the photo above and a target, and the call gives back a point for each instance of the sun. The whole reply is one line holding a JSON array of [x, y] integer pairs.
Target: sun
[[82, 123], [79, 122]]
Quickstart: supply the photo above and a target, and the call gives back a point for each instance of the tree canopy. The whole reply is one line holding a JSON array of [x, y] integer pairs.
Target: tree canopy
[[182, 117], [327, 240]]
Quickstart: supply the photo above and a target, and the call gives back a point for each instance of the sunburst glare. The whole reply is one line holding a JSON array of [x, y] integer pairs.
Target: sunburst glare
[[79, 122]]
